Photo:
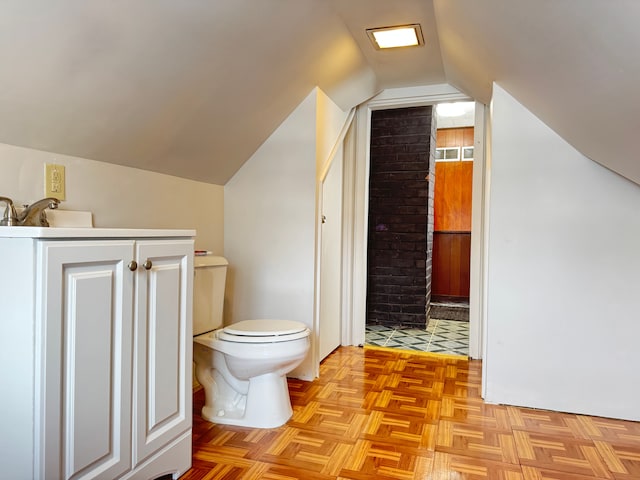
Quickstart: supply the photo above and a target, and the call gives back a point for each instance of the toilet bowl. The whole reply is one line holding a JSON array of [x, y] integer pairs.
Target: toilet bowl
[[243, 370], [242, 367]]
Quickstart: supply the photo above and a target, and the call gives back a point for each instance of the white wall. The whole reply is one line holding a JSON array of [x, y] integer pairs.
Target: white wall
[[330, 120], [270, 221], [269, 227], [118, 196], [563, 274]]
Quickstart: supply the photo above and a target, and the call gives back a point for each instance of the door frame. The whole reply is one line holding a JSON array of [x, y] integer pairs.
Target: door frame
[[345, 142], [356, 210]]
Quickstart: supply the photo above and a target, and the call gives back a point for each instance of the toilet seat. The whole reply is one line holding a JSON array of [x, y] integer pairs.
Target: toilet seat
[[263, 331]]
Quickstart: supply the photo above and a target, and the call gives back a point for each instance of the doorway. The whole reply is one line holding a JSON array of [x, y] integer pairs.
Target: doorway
[[357, 168], [419, 228]]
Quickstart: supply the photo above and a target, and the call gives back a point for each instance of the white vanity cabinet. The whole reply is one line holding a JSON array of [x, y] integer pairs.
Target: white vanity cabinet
[[98, 336]]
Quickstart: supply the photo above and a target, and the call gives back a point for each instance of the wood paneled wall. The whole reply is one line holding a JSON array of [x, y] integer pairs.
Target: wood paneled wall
[[454, 137], [451, 264], [452, 194], [452, 217]]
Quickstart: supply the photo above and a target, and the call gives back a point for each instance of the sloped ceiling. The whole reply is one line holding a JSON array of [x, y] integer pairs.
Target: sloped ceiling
[[573, 63], [192, 88]]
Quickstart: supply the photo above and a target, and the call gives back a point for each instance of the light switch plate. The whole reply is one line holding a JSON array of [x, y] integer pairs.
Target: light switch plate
[[54, 181]]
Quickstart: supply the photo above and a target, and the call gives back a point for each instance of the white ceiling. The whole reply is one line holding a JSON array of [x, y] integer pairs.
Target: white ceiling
[[192, 88]]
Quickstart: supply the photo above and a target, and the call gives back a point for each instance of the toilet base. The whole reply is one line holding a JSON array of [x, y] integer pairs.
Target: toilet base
[[266, 404]]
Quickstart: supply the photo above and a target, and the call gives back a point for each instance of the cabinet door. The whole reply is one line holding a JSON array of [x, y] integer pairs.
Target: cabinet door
[[84, 359], [163, 345]]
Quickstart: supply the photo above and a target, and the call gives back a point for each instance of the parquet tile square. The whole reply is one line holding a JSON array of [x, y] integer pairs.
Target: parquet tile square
[[458, 467], [389, 415], [548, 423], [386, 461], [475, 412], [606, 429], [400, 430], [622, 460], [561, 454], [408, 403], [535, 473], [476, 441], [327, 419], [308, 451]]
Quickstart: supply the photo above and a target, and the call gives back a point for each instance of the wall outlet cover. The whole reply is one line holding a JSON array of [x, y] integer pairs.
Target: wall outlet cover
[[54, 181]]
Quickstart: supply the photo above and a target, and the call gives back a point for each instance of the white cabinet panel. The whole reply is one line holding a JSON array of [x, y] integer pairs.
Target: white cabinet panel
[[163, 343], [90, 368], [87, 323]]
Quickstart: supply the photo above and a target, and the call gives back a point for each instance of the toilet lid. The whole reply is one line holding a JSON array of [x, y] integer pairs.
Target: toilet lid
[[260, 331]]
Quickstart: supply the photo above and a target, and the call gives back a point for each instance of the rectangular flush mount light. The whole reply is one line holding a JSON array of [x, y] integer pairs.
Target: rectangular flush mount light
[[394, 37]]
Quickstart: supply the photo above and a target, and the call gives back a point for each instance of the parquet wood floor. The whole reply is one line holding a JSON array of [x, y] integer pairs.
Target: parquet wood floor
[[388, 415]]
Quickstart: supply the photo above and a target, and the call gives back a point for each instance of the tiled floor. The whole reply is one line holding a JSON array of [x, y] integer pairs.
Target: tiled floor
[[441, 336], [384, 414]]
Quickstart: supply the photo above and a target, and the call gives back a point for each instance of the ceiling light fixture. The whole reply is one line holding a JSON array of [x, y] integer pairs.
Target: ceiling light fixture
[[456, 109], [394, 37]]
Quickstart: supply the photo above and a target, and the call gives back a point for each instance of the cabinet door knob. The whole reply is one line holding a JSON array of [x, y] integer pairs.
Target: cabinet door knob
[[133, 265], [147, 264]]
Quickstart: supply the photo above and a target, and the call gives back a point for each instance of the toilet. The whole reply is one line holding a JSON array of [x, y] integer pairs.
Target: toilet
[[242, 367]]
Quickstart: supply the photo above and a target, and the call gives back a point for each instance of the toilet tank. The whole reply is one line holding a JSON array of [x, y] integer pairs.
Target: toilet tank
[[210, 274]]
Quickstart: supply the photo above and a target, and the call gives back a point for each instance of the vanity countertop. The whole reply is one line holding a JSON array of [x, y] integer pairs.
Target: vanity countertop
[[59, 232]]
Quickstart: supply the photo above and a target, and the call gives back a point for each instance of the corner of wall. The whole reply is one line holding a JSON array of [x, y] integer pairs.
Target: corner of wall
[[330, 123]]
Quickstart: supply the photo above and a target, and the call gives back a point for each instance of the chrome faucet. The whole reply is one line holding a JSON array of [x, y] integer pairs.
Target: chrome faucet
[[33, 215], [10, 216]]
